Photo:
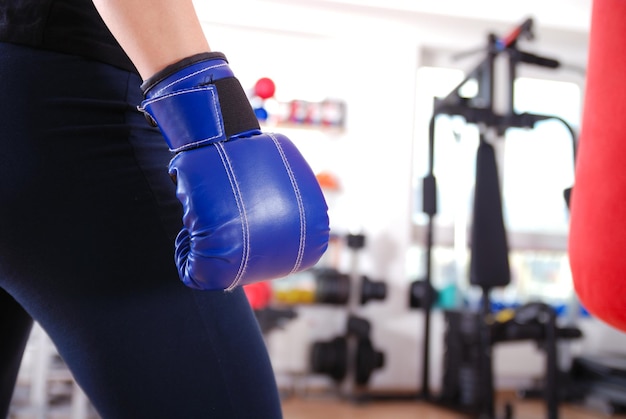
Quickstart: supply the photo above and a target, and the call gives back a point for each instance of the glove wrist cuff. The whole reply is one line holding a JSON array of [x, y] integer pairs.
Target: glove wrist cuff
[[197, 102], [159, 76]]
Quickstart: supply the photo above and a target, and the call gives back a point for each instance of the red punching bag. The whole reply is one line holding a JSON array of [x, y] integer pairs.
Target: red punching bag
[[597, 240]]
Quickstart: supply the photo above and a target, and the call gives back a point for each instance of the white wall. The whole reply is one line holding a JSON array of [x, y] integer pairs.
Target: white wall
[[368, 57]]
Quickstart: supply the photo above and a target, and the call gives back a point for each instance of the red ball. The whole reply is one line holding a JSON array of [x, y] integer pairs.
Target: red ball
[[264, 88]]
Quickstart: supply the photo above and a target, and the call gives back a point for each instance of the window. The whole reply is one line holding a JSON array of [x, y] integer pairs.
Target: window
[[538, 163]]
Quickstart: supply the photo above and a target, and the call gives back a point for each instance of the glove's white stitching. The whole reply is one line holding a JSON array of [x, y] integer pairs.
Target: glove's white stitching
[[296, 189], [242, 215]]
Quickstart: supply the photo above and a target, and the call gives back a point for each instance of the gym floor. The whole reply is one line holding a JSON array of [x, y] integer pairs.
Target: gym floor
[[319, 408], [316, 407], [59, 398]]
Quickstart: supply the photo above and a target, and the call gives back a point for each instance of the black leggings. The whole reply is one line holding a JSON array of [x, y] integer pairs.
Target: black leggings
[[88, 216]]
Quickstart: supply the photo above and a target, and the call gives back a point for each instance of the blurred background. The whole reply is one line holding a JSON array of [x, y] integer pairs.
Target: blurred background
[[353, 83]]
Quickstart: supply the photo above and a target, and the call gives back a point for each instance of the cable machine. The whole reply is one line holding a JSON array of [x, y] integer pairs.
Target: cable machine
[[489, 264]]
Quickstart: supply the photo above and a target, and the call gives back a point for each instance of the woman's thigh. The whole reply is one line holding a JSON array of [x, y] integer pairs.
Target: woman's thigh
[[87, 224]]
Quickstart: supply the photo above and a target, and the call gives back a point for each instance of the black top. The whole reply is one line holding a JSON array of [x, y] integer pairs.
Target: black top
[[67, 26]]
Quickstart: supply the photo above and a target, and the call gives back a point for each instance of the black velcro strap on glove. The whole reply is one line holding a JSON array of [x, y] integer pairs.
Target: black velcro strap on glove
[[238, 115]]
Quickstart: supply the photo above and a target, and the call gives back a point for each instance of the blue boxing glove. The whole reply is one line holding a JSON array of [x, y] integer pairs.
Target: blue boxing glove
[[253, 209]]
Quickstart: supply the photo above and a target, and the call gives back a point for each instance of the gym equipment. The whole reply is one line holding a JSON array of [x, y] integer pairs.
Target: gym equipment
[[489, 265], [260, 298], [365, 289], [270, 318], [313, 286], [253, 209], [601, 382], [422, 294], [467, 384], [328, 286], [350, 359], [264, 88], [597, 234]]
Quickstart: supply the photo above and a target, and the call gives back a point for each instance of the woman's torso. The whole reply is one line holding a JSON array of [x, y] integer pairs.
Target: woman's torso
[[67, 26]]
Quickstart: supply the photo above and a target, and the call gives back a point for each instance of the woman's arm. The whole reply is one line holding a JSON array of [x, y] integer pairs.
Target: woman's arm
[[154, 33]]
